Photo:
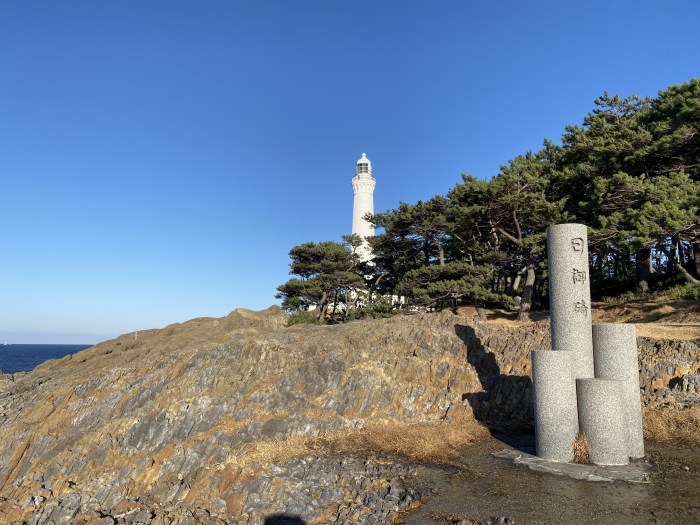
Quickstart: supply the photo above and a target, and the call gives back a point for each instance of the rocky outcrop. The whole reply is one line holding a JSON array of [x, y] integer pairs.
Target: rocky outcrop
[[669, 373], [150, 427]]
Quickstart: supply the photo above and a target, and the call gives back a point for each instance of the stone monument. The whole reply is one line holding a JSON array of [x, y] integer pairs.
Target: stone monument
[[589, 382], [570, 294]]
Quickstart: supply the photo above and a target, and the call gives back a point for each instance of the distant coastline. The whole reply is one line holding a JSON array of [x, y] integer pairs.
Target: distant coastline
[[25, 357]]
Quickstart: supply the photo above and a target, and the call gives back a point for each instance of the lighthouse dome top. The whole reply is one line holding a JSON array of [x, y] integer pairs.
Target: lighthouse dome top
[[364, 165]]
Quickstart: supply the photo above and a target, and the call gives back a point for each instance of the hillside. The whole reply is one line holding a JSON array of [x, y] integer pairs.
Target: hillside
[[232, 420]]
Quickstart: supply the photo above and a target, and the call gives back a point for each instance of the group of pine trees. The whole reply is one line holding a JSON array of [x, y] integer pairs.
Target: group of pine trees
[[630, 172]]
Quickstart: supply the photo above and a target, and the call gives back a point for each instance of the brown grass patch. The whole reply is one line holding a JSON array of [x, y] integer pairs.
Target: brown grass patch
[[423, 443], [657, 310], [675, 426], [659, 331], [581, 450], [652, 316]]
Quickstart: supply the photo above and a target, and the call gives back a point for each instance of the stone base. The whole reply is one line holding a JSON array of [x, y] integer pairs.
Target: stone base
[[637, 471]]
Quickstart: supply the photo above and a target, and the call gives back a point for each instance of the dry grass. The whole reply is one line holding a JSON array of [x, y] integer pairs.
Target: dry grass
[[437, 443], [659, 331], [653, 330], [424, 443], [658, 310], [581, 450], [652, 316], [680, 427]]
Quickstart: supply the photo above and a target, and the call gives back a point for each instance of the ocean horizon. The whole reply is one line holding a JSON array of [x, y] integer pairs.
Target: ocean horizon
[[25, 357]]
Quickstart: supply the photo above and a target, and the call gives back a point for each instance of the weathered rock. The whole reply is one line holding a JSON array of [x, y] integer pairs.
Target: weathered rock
[[144, 428], [663, 367]]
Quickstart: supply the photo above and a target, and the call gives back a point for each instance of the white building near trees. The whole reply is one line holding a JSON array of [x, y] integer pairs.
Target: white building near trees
[[363, 184]]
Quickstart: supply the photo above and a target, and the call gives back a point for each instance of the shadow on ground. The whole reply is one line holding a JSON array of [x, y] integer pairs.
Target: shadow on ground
[[505, 403], [284, 519]]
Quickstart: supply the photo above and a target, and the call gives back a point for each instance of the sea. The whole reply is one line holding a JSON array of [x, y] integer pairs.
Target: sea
[[23, 358]]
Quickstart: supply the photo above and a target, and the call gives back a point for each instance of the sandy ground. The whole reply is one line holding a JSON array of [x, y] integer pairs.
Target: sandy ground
[[487, 487]]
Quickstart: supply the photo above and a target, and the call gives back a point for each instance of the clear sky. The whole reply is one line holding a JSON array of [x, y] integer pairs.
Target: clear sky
[[159, 159]]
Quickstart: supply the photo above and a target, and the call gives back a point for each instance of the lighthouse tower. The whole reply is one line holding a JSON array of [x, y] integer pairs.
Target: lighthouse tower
[[363, 187]]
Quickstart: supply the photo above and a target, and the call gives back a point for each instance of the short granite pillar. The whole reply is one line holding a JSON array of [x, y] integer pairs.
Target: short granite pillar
[[600, 415], [615, 357], [570, 294], [556, 420]]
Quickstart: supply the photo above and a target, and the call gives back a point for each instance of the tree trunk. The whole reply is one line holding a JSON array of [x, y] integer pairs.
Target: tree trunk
[[642, 270], [335, 303], [657, 258], [696, 257], [598, 265], [516, 283], [528, 289], [441, 254], [617, 266], [322, 307], [687, 276], [536, 295], [672, 260], [682, 257]]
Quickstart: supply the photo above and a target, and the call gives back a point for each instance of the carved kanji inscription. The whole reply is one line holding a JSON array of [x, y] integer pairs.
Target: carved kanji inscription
[[577, 244]]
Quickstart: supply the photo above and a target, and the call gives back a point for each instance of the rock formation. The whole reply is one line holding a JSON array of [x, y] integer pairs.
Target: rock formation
[[155, 428]]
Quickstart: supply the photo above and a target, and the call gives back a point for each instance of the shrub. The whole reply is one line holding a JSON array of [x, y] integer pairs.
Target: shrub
[[380, 308], [691, 292], [628, 297], [302, 317]]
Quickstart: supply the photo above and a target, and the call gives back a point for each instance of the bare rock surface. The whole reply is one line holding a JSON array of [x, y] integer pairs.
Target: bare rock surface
[[151, 427]]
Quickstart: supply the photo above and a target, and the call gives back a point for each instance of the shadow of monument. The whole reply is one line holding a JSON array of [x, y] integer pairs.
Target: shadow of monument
[[283, 519], [505, 403]]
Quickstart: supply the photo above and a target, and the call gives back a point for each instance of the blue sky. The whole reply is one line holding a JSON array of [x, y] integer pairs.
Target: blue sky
[[159, 159]]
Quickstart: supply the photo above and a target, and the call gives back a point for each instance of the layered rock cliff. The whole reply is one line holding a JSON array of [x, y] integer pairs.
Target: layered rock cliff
[[154, 427]]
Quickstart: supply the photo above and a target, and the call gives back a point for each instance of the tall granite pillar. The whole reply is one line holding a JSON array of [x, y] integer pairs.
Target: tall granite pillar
[[600, 404], [615, 357], [570, 295], [556, 420]]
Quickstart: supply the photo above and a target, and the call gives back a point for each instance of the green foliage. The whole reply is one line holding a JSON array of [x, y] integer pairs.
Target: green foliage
[[329, 271], [302, 317], [450, 284], [687, 292], [628, 297], [691, 292], [630, 172], [380, 308], [414, 235]]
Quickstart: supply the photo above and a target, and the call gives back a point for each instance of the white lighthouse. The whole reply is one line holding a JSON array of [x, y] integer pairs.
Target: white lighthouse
[[363, 187]]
